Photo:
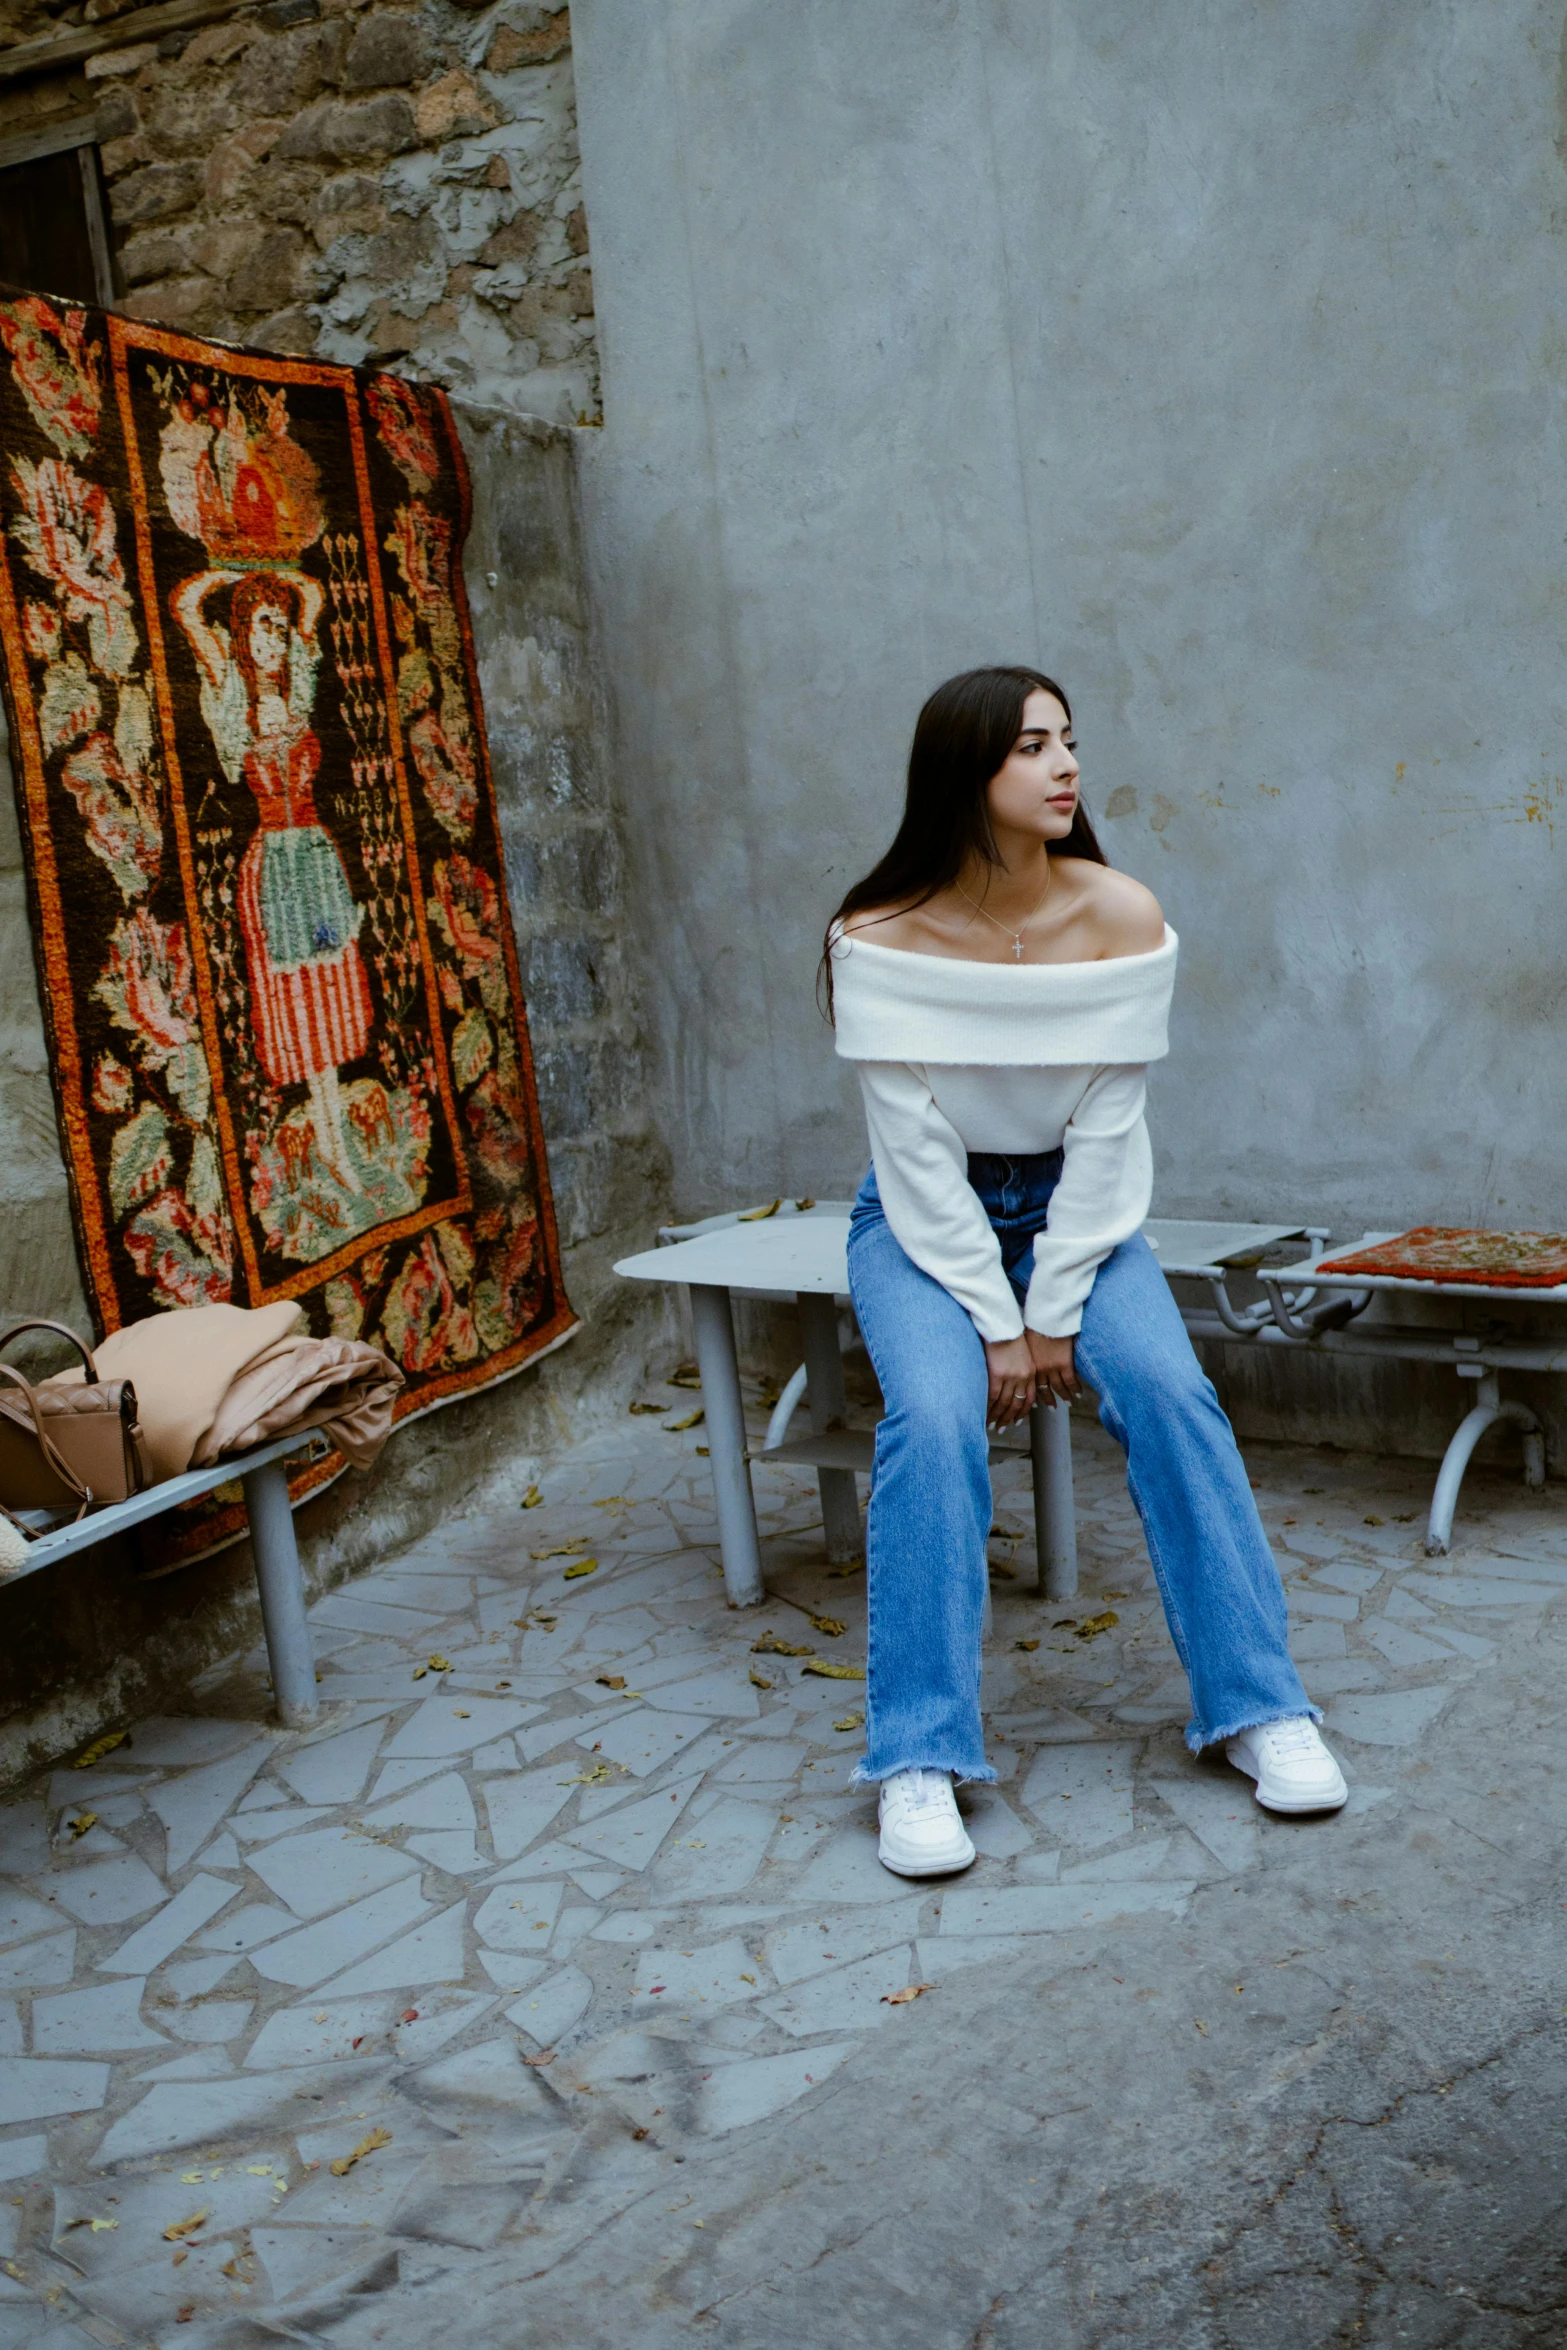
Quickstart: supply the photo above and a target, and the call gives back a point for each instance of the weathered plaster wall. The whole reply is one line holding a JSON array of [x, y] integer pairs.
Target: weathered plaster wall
[[1215, 359], [87, 1643], [367, 182]]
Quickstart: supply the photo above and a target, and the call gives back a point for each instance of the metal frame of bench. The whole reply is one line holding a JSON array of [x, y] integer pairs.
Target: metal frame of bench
[[272, 1542]]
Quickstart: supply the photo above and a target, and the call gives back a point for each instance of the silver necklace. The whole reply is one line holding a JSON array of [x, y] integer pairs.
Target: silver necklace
[[1016, 936]]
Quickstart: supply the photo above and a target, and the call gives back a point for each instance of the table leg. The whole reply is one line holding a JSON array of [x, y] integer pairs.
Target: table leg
[[282, 1596], [829, 1409], [725, 1421], [1055, 1516]]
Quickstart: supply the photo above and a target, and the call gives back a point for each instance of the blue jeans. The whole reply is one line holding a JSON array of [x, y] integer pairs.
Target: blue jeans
[[930, 1508]]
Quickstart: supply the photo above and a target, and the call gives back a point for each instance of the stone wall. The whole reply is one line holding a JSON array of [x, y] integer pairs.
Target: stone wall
[[85, 1644], [388, 184]]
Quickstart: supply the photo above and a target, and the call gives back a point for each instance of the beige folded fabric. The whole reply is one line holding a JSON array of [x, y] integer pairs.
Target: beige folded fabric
[[338, 1385], [216, 1379]]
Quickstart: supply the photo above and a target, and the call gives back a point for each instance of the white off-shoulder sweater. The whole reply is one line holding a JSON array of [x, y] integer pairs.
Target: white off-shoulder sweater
[[955, 1057]]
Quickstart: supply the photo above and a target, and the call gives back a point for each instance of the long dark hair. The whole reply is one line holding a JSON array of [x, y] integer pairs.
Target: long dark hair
[[962, 738]]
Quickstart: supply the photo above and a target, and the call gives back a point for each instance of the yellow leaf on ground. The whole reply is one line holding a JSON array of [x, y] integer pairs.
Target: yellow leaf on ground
[[759, 1680], [545, 2056], [420, 1671], [679, 1427], [830, 1672], [345, 2162], [832, 1627], [854, 1567], [760, 1215], [686, 1376], [185, 2227], [850, 1722], [803, 1204], [562, 1550], [909, 1992], [532, 1498], [82, 1822], [98, 2225], [99, 1748], [1091, 1626], [438, 1664], [1028, 1646], [612, 1680], [644, 1407], [582, 1567], [771, 1645], [594, 1778], [613, 1501], [1202, 2027]]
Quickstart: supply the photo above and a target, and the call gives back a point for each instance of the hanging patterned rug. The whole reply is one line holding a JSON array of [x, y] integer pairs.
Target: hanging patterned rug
[[287, 1034]]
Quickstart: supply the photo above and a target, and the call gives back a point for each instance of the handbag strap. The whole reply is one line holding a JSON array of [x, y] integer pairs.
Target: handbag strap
[[51, 1451], [61, 1331]]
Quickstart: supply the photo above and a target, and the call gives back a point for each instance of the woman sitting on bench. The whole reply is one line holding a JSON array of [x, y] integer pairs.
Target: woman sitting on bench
[[1001, 990]]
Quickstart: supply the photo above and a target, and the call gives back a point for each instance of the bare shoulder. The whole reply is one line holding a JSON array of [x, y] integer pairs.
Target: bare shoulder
[[1127, 917]]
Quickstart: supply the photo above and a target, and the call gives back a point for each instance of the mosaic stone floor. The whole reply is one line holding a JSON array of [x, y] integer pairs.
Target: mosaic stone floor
[[569, 1884]]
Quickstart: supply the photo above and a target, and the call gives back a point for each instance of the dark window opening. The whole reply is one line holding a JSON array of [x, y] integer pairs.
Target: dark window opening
[[52, 235]]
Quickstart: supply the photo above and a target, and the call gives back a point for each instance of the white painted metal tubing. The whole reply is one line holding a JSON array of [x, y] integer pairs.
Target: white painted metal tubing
[[713, 1324], [829, 1409], [1055, 1517], [784, 1410], [282, 1595], [1488, 1409]]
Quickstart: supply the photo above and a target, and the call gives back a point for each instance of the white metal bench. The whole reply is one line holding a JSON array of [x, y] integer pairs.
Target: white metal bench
[[276, 1552]]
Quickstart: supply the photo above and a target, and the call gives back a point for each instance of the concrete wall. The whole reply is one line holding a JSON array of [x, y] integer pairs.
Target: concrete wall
[[87, 1643], [1213, 358]]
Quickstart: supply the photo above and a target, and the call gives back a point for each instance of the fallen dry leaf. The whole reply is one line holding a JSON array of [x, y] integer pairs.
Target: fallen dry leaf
[[532, 1499], [687, 1375], [1028, 1646], [1202, 2027], [644, 1407], [420, 1671], [594, 1778], [850, 1722], [99, 1748], [82, 1822], [679, 1427], [771, 1645], [345, 2162], [909, 1992], [854, 1567], [562, 1550], [437, 1664], [460, 1713], [185, 2227], [612, 1680], [180, 2258], [803, 1204], [825, 1671], [759, 1680], [1091, 1626], [831, 1627], [582, 1567], [545, 2056], [760, 1215], [1373, 1521], [613, 1501]]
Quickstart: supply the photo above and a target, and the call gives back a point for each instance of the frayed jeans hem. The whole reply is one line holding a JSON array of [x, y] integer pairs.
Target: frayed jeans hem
[[1201, 1741], [863, 1776]]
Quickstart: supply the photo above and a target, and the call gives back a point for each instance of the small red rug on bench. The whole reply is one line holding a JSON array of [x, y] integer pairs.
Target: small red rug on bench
[[1433, 1252]]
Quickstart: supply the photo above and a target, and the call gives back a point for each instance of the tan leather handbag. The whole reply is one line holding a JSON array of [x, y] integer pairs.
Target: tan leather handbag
[[64, 1447]]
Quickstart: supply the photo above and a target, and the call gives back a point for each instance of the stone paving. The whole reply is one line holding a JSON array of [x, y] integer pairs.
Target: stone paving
[[568, 1889]]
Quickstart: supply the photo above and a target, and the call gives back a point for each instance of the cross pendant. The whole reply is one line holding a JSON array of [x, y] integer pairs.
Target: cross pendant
[[1017, 950]]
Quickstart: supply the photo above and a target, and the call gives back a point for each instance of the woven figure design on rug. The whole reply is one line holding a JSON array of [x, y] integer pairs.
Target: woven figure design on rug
[[1433, 1252], [279, 977]]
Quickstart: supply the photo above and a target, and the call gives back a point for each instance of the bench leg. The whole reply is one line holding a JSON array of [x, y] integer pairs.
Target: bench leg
[[1488, 1409], [1055, 1516], [713, 1323], [829, 1408], [282, 1596]]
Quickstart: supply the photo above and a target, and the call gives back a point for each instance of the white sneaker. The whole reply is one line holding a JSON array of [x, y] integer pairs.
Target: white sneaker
[[1293, 1769], [921, 1833]]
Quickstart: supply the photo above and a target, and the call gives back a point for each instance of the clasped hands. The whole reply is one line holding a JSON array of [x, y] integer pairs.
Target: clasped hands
[[1023, 1368]]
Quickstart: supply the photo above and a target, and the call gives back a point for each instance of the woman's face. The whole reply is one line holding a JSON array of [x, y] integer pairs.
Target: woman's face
[[269, 641], [1034, 791]]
